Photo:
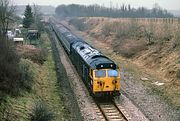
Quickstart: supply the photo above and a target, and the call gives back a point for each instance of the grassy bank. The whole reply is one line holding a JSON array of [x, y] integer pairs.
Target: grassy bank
[[143, 48], [45, 90]]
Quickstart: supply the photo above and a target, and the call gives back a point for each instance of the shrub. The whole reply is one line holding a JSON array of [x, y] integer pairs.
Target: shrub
[[107, 29], [122, 29], [39, 56], [9, 66], [13, 76], [128, 30], [40, 112], [34, 54], [78, 23], [42, 55], [26, 76]]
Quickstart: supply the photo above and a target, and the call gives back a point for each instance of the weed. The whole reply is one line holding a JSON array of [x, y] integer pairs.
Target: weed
[[40, 112]]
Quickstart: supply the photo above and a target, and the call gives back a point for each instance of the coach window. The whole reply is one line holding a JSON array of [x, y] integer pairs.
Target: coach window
[[112, 73], [100, 73]]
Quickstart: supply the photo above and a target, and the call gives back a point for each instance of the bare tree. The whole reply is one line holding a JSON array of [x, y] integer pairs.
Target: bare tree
[[6, 12], [76, 10], [37, 17]]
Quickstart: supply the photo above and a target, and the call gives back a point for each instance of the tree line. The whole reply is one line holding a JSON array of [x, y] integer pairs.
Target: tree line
[[122, 11]]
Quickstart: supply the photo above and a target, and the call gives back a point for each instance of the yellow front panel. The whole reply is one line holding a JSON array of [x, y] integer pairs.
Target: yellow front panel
[[106, 84]]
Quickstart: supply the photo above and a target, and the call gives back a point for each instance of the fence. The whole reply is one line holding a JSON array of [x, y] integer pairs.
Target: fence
[[156, 20]]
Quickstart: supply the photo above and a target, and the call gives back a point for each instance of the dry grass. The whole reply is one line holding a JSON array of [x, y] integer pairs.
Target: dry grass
[[152, 45], [129, 48], [37, 55]]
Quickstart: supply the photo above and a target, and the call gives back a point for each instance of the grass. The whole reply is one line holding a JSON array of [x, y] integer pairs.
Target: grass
[[44, 89], [168, 91], [41, 113]]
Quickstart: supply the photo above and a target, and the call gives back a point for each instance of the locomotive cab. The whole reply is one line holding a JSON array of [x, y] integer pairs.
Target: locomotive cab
[[106, 82]]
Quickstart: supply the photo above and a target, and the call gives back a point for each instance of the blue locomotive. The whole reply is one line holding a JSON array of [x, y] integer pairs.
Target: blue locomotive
[[99, 73]]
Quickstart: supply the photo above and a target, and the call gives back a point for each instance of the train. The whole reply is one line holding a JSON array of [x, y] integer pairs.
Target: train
[[100, 74]]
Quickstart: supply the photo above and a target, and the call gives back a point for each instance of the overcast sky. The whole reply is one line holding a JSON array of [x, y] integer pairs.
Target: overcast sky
[[167, 4]]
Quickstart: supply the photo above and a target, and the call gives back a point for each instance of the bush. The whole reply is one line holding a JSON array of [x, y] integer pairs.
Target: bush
[[107, 29], [9, 66], [26, 76], [78, 23], [122, 29], [40, 112], [34, 54], [13, 76], [42, 55], [38, 56]]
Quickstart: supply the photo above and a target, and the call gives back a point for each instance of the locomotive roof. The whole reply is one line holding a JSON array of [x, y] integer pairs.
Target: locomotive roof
[[92, 56]]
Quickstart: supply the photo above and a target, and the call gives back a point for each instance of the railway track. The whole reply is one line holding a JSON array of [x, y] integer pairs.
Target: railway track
[[110, 111], [106, 111]]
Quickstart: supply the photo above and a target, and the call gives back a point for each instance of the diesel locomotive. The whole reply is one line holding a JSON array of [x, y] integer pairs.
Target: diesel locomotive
[[99, 73]]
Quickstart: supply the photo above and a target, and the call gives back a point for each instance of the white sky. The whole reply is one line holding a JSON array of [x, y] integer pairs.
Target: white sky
[[167, 4]]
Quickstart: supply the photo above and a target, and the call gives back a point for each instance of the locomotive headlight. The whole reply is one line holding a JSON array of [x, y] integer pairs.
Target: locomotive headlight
[[100, 83], [114, 81]]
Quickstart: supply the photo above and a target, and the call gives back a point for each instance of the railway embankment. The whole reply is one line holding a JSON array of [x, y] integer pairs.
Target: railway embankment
[[46, 98], [146, 87]]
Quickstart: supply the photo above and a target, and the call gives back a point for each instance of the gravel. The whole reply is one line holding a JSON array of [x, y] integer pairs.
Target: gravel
[[150, 103]]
